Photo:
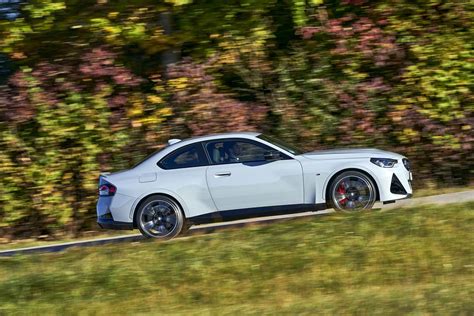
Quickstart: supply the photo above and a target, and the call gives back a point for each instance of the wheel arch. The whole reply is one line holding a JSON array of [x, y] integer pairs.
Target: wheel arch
[[328, 183], [144, 197]]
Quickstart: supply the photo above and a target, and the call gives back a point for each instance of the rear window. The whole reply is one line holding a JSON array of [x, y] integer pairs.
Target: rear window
[[148, 157], [186, 157]]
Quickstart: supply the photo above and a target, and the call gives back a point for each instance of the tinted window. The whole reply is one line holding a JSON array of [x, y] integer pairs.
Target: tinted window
[[229, 151], [147, 157], [186, 157], [279, 143]]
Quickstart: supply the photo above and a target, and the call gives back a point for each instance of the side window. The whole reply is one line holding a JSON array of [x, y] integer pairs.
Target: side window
[[186, 157], [229, 151]]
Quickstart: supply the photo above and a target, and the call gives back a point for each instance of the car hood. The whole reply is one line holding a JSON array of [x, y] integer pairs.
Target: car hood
[[351, 153]]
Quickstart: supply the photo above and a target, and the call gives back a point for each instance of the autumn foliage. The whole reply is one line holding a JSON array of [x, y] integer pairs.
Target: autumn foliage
[[95, 86]]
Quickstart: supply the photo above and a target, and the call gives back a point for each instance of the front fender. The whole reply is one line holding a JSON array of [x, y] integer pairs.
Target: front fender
[[346, 167]]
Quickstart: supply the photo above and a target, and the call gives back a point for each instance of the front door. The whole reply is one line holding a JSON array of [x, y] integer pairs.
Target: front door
[[240, 177]]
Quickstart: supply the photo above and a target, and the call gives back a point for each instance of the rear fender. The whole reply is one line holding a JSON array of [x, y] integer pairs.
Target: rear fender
[[159, 191]]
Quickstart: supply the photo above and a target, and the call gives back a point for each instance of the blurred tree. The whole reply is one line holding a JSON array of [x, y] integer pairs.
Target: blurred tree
[[433, 101], [95, 85]]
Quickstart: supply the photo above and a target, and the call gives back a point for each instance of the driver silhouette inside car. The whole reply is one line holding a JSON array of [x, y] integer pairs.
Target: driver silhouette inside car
[[233, 151]]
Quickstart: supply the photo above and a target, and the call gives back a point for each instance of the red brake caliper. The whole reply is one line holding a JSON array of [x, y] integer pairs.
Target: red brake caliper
[[342, 190]]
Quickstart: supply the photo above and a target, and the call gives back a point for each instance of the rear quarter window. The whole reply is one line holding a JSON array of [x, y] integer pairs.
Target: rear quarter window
[[186, 157]]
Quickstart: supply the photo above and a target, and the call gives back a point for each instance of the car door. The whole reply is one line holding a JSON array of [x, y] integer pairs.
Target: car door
[[241, 177]]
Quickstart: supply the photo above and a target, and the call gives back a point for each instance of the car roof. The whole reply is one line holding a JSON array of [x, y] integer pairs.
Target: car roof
[[188, 141], [170, 148], [214, 136]]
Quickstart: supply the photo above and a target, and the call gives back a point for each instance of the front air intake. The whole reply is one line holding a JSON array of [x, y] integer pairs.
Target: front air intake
[[396, 186]]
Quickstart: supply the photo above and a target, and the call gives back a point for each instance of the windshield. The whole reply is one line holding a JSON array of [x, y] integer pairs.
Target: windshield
[[279, 143]]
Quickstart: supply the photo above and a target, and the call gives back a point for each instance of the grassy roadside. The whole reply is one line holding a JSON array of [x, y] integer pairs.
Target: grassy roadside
[[399, 261], [23, 243]]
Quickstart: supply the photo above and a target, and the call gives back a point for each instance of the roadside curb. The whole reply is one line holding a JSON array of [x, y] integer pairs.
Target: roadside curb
[[447, 198]]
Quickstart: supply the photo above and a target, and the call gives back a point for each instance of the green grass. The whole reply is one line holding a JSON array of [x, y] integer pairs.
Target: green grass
[[100, 233], [415, 261]]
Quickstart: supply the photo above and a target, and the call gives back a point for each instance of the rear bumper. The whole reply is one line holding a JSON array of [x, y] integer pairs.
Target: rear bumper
[[105, 218], [111, 224]]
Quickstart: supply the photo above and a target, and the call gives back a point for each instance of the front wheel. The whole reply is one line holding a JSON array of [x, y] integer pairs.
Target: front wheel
[[352, 191], [160, 217]]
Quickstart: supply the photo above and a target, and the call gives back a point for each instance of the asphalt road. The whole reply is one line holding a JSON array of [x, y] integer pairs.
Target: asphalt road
[[209, 228]]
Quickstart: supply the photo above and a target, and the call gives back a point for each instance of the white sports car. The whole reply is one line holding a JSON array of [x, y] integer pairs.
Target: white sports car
[[240, 175]]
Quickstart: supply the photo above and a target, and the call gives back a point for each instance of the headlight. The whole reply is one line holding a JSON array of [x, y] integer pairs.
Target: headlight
[[384, 162]]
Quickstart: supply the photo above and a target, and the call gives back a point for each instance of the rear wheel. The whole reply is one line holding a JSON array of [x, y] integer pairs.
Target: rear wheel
[[160, 217], [352, 191]]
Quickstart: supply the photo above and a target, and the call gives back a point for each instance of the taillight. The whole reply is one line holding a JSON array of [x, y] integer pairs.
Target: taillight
[[107, 189]]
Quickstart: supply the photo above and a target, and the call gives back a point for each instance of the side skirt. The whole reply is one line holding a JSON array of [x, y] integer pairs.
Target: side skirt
[[232, 215]]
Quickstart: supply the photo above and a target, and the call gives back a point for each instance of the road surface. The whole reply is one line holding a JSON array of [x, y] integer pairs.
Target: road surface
[[458, 197]]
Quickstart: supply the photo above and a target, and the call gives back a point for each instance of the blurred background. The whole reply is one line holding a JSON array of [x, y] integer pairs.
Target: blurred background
[[92, 86]]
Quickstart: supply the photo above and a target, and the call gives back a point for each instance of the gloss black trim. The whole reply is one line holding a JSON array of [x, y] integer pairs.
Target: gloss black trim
[[396, 186], [232, 215], [111, 224]]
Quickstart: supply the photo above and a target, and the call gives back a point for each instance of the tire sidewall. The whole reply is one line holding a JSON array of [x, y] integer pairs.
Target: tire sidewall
[[344, 175], [180, 218]]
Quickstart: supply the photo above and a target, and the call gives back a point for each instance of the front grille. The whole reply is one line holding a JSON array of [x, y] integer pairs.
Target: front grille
[[396, 186], [406, 163]]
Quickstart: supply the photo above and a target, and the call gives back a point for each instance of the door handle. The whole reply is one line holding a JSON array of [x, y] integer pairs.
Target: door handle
[[223, 174]]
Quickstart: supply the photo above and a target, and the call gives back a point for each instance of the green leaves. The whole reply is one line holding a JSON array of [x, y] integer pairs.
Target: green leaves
[[94, 89], [179, 2], [44, 9]]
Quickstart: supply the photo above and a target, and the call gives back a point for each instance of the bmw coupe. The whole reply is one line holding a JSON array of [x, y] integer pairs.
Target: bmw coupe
[[240, 175]]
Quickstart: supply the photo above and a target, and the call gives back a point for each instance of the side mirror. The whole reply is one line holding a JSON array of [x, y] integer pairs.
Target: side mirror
[[272, 155]]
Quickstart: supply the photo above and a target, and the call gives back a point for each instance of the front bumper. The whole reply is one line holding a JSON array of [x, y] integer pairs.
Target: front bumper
[[394, 183]]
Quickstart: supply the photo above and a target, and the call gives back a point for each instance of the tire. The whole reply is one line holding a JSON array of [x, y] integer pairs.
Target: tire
[[352, 191], [185, 229], [160, 217]]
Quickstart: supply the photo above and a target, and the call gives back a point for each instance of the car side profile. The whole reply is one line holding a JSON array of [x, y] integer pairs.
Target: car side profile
[[240, 175]]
